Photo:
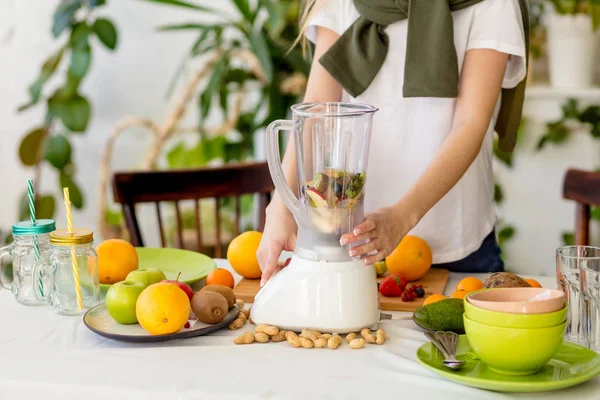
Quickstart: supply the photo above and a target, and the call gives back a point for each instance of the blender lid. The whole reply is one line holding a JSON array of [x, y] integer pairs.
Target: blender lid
[[333, 109]]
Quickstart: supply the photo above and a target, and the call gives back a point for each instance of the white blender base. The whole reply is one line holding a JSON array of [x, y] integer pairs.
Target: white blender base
[[334, 297]]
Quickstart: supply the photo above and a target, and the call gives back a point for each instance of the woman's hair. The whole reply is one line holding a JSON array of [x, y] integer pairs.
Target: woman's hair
[[309, 8]]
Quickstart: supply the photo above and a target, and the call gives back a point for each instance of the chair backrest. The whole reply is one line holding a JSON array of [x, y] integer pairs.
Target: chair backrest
[[230, 181], [583, 187]]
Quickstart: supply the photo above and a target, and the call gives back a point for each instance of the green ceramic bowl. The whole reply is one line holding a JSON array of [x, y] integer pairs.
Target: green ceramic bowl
[[514, 351], [508, 320]]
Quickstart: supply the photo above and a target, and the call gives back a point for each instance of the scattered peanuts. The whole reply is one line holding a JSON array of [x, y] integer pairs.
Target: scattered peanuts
[[306, 343], [357, 343], [292, 339], [237, 324], [279, 337], [325, 336], [320, 343], [367, 335], [246, 338], [240, 303], [261, 337], [381, 336], [350, 337], [243, 316], [334, 342], [309, 335]]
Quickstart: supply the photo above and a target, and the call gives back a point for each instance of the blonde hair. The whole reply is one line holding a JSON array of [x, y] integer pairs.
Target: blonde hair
[[310, 7]]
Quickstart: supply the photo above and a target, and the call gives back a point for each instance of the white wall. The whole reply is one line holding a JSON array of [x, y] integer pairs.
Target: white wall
[[134, 79]]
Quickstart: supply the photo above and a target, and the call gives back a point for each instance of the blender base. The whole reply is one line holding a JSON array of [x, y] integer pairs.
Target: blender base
[[334, 297]]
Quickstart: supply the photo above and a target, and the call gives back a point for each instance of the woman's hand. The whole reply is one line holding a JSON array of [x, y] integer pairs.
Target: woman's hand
[[384, 229], [279, 235]]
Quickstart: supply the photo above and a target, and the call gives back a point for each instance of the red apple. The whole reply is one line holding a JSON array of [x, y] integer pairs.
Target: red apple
[[317, 198], [187, 289]]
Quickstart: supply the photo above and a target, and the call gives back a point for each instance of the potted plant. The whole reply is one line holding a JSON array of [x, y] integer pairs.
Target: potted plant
[[571, 26]]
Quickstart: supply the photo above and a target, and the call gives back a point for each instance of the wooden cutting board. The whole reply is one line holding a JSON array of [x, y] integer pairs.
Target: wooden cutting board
[[434, 282]]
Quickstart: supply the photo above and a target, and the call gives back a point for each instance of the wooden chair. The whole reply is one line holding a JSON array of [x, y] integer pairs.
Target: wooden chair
[[583, 187], [131, 188]]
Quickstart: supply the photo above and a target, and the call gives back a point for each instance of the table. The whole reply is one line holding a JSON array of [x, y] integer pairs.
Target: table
[[43, 355]]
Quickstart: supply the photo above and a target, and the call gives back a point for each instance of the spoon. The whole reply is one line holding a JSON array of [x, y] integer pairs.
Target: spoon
[[446, 343]]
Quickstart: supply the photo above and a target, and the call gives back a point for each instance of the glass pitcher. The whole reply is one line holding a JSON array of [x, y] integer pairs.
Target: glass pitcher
[[70, 272], [332, 148], [30, 244]]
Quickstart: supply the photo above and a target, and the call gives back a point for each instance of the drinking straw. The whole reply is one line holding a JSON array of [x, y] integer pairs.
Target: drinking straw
[[73, 253], [36, 247]]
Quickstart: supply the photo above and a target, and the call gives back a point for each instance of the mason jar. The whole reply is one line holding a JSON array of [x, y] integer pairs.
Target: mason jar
[[30, 245], [71, 272]]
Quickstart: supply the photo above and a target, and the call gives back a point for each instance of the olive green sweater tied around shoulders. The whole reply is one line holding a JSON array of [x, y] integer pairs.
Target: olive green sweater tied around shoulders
[[431, 66]]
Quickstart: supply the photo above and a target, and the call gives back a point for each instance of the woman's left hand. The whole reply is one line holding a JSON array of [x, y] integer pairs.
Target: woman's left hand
[[384, 229]]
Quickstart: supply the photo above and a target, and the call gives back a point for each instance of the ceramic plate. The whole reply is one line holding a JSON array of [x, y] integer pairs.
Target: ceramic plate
[[571, 365], [99, 321], [193, 266]]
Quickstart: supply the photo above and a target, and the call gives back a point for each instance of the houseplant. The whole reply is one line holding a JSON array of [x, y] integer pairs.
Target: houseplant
[[572, 26]]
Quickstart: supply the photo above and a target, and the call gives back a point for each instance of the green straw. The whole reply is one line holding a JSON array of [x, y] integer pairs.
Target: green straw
[[36, 247]]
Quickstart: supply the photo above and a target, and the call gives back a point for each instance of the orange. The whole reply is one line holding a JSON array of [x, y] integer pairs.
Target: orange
[[434, 298], [469, 284], [411, 259], [221, 277], [459, 294], [533, 283], [116, 259], [162, 308], [241, 254]]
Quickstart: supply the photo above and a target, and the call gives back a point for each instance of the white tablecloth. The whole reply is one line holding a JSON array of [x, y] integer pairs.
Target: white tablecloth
[[43, 355]]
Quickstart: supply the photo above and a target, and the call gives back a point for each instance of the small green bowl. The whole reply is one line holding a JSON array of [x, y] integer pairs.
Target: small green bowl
[[509, 320], [514, 351]]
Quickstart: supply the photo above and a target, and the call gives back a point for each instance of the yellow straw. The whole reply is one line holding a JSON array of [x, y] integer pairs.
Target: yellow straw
[[73, 253]]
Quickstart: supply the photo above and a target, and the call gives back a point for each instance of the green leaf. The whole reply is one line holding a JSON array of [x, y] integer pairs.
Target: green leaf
[[595, 213], [237, 75], [211, 87], [80, 62], [79, 36], [184, 4], [504, 157], [44, 207], [214, 148], [570, 109], [74, 191], [505, 234], [96, 3], [71, 86], [74, 112], [498, 193], [176, 156], [63, 16], [30, 146], [259, 45], [223, 96], [58, 151], [595, 13], [106, 32], [276, 17], [244, 9], [113, 217], [557, 133], [182, 27], [568, 238], [48, 69]]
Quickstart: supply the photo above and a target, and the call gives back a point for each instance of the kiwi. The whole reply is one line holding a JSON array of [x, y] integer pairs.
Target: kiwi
[[504, 280], [226, 291], [210, 307]]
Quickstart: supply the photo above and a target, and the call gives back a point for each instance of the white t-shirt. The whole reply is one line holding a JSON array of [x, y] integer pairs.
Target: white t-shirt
[[407, 133]]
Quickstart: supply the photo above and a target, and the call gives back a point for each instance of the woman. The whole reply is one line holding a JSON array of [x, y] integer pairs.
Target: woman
[[437, 79]]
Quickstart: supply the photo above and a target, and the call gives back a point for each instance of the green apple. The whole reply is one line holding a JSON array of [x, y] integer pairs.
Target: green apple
[[148, 276], [120, 301]]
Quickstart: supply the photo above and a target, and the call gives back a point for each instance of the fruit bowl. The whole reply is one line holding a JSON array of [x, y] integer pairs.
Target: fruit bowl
[[518, 300], [194, 267]]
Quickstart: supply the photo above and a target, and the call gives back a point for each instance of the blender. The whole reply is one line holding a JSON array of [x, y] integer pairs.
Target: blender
[[322, 288]]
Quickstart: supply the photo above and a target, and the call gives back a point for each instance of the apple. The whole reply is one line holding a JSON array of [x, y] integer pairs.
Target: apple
[[148, 276], [120, 301], [317, 198], [187, 289]]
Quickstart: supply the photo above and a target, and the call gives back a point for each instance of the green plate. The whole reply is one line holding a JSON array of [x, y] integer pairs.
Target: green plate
[[571, 365], [193, 266]]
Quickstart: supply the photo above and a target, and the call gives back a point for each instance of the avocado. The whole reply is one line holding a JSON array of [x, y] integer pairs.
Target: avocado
[[444, 315]]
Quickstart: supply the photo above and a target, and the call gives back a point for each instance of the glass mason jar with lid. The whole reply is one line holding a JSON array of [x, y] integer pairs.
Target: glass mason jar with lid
[[71, 272], [30, 245]]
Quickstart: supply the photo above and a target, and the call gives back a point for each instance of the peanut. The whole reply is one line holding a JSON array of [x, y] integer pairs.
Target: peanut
[[306, 343], [271, 330], [381, 336], [357, 343], [260, 328], [334, 342], [246, 338], [325, 336], [279, 337], [317, 333], [292, 339], [351, 336], [261, 337], [240, 303], [320, 343], [242, 316], [309, 335], [368, 335], [246, 313], [290, 333], [237, 324]]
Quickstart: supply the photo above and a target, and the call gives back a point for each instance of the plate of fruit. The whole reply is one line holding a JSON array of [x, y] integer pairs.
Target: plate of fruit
[[118, 260], [166, 310]]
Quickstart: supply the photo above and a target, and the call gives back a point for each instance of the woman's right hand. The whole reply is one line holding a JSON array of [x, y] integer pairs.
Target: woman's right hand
[[279, 235]]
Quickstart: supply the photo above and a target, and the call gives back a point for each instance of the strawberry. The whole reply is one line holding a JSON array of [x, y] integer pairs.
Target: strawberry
[[392, 286]]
